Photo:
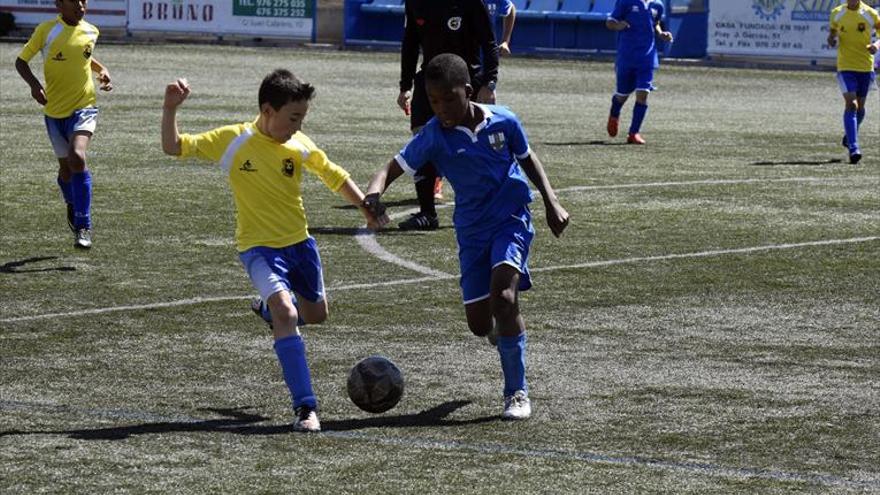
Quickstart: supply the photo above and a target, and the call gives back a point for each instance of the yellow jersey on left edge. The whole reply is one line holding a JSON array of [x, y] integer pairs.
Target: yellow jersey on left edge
[[265, 177], [67, 60], [854, 28]]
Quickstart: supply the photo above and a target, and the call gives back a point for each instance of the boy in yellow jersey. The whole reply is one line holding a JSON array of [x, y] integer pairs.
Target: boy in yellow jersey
[[264, 161], [67, 43], [852, 24]]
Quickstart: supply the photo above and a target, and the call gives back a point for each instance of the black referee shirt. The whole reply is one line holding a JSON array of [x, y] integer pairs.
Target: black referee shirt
[[462, 27]]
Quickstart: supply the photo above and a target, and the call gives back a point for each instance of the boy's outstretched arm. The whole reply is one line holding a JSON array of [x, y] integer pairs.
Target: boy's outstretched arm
[[103, 75], [378, 184], [557, 217], [175, 94], [24, 70], [351, 192]]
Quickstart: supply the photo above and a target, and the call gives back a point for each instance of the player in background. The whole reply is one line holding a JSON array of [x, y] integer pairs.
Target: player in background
[[638, 23], [462, 27], [67, 43], [852, 25], [263, 161], [493, 224], [507, 11]]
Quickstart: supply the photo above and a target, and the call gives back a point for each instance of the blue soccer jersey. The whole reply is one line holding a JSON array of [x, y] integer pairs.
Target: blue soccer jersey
[[481, 166], [637, 45], [498, 8]]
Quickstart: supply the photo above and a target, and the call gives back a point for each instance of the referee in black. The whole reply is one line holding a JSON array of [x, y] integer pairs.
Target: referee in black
[[432, 27]]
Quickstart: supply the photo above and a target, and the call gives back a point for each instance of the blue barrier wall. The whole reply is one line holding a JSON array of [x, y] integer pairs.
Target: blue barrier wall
[[542, 27]]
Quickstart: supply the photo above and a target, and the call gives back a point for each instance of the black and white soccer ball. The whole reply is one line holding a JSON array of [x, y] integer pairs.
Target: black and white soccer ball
[[375, 384]]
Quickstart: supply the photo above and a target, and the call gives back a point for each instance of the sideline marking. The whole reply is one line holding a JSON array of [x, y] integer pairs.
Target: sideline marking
[[368, 242], [692, 467], [406, 281]]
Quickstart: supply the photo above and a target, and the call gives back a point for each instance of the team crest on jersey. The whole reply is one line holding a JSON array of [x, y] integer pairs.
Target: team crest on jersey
[[87, 53], [497, 141], [768, 10], [247, 166], [862, 27], [59, 57], [287, 167], [454, 23]]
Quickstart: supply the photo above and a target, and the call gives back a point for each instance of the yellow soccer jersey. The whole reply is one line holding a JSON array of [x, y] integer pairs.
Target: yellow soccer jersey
[[67, 59], [854, 28], [265, 178]]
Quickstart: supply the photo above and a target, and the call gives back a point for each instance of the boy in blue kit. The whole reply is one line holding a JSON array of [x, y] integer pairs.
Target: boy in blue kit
[[67, 43], [850, 30], [638, 25], [480, 149], [507, 11], [263, 162]]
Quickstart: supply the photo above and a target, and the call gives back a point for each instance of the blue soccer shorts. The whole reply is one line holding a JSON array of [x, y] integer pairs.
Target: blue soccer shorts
[[62, 130], [636, 78], [855, 82], [296, 267], [505, 243]]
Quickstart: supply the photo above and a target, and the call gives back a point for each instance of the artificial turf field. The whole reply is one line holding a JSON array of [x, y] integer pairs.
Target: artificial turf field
[[707, 324]]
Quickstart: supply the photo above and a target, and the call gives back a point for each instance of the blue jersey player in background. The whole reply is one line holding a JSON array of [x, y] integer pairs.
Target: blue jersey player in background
[[507, 11], [638, 25], [480, 149]]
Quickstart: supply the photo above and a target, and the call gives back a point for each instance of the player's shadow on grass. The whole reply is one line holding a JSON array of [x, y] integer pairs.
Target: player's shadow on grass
[[351, 231], [15, 266], [389, 204], [768, 163], [595, 142], [240, 422]]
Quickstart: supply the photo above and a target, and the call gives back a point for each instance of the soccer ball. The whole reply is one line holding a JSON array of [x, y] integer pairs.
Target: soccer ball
[[375, 384]]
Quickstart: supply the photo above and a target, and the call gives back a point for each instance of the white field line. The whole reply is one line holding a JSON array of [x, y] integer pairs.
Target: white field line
[[372, 285], [245, 426], [367, 239]]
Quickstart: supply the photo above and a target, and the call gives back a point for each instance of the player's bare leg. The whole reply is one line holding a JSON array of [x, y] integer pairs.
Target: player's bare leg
[[81, 188], [641, 105], [504, 301], [291, 354]]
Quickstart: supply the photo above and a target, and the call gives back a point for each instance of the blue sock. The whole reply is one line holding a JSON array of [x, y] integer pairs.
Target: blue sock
[[851, 126], [615, 107], [513, 362], [291, 352], [65, 190], [639, 112], [81, 194]]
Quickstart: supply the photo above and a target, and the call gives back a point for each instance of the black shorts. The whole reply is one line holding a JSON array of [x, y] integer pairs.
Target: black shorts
[[420, 108]]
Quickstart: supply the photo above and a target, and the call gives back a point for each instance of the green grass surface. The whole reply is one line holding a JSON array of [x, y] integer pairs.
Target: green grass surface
[[736, 372]]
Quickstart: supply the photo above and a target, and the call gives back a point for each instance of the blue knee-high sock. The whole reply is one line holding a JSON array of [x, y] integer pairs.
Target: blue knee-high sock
[[81, 194], [851, 126], [615, 107], [65, 190], [291, 352], [513, 362], [639, 112]]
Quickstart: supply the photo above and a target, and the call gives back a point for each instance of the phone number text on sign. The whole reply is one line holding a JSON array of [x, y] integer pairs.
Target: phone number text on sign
[[272, 8]]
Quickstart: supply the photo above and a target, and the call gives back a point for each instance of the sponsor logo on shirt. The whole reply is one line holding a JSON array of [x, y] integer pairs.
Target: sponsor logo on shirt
[[87, 53], [247, 166], [454, 23], [287, 167]]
